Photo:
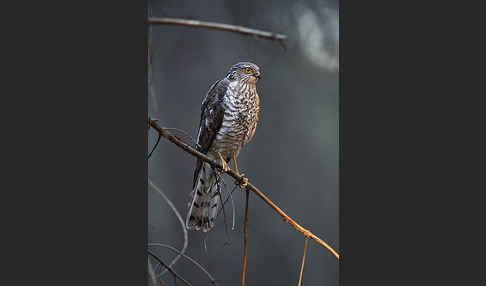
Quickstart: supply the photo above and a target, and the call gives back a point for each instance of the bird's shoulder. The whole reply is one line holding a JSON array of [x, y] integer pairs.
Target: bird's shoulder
[[215, 94]]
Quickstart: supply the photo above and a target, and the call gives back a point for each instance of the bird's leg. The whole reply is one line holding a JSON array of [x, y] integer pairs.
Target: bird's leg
[[245, 180], [225, 165]]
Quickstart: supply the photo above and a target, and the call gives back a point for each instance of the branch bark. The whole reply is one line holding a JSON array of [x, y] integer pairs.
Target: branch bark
[[219, 26], [217, 164]]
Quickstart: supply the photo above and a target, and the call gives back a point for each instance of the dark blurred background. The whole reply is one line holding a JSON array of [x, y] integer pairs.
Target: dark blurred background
[[293, 158]]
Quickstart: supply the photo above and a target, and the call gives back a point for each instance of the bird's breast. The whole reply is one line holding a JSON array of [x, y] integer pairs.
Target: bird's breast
[[241, 105]]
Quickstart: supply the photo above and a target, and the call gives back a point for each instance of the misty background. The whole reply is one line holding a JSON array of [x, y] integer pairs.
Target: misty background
[[293, 157]]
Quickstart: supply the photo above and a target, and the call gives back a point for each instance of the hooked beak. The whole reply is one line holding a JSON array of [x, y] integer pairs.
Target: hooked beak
[[258, 76]]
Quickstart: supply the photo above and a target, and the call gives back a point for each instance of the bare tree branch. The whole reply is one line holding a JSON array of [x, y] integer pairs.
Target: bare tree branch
[[213, 281], [217, 164], [184, 230], [219, 26]]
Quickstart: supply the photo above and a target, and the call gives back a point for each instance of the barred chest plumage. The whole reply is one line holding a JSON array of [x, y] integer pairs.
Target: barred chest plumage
[[241, 105]]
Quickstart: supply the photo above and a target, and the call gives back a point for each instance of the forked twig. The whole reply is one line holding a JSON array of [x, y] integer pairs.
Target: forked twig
[[254, 189], [174, 209]]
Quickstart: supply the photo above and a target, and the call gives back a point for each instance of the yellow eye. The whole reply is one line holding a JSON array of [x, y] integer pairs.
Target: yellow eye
[[248, 70]]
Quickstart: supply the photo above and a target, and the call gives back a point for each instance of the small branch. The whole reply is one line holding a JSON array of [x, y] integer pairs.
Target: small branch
[[213, 281], [218, 26], [155, 146], [230, 196], [218, 188], [184, 230], [245, 247], [183, 132], [217, 164], [303, 261], [168, 268]]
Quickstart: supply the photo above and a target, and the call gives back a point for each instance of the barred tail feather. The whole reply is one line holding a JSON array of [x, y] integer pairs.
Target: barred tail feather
[[204, 207]]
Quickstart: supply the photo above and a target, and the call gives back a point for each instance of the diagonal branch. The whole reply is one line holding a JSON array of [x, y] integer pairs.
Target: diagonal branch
[[217, 164], [219, 26]]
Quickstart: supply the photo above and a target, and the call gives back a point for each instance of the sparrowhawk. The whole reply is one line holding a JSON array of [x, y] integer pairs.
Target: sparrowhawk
[[229, 116]]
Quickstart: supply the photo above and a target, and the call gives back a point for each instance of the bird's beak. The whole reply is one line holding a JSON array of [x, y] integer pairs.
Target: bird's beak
[[258, 76]]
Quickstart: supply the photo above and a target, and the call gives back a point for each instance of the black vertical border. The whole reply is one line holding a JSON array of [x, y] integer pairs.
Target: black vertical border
[[81, 217], [403, 111]]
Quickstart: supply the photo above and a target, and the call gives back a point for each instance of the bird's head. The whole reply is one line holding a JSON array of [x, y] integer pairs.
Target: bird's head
[[245, 71]]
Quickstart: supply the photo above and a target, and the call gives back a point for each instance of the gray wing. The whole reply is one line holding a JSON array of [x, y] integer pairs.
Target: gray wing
[[212, 113]]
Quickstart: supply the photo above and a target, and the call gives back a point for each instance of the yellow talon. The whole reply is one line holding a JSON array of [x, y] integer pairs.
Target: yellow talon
[[245, 183], [245, 180], [225, 165]]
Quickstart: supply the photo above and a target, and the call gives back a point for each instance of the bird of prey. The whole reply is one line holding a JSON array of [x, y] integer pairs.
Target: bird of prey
[[229, 116]]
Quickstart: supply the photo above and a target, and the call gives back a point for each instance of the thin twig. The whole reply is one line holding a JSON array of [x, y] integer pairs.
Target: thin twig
[[176, 129], [230, 196], [155, 146], [218, 188], [245, 247], [183, 132], [168, 268], [213, 281], [219, 26], [233, 207], [184, 230], [217, 164], [303, 260]]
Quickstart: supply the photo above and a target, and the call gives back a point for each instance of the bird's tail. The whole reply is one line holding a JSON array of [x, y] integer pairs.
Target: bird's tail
[[204, 207]]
